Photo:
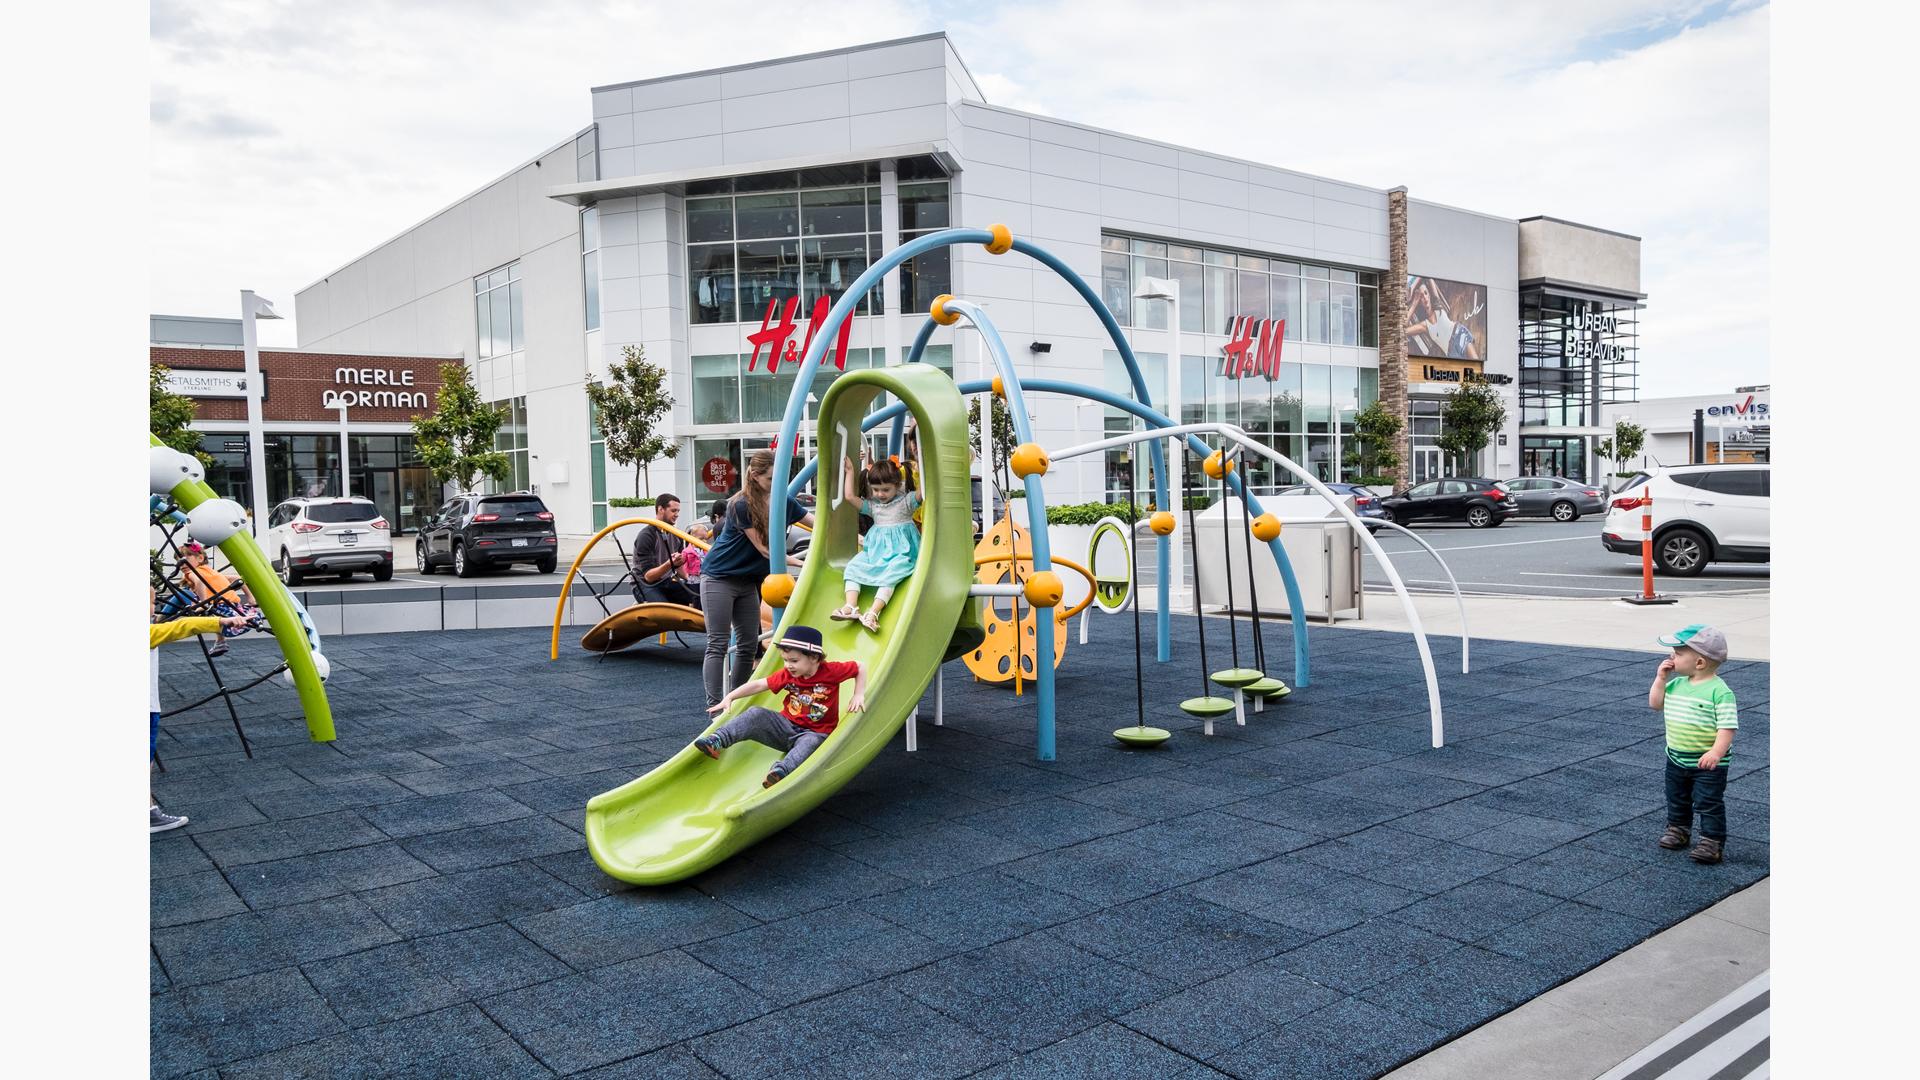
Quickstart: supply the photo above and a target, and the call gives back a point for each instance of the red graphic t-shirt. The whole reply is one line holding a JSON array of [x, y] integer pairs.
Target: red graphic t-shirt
[[814, 702]]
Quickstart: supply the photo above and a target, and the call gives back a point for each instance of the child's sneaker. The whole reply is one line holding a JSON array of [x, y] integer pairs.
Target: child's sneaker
[[1708, 850], [708, 745], [774, 776], [1674, 838], [159, 820], [219, 649]]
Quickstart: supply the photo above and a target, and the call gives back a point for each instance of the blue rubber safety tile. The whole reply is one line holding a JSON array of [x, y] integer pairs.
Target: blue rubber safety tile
[[213, 815], [1178, 938], [499, 1059], [630, 924], [356, 762], [329, 798], [464, 752], [937, 850], [488, 960], [1322, 813], [868, 1031], [1107, 1052], [399, 1048], [622, 1010], [320, 929], [186, 898], [1221, 840], [1100, 760], [451, 779], [1441, 867], [1453, 821], [1365, 955], [1265, 996], [391, 982], [1636, 839], [1325, 757], [1397, 787], [219, 949], [676, 1062], [1668, 891], [1405, 734], [1030, 991], [818, 953], [176, 1047], [171, 854], [257, 1014], [490, 845], [1463, 989], [473, 898], [1570, 938], [157, 981], [1568, 870], [903, 810], [443, 813], [1109, 870], [1010, 783], [1348, 1040], [1244, 775], [1345, 901], [1476, 909], [1523, 836], [783, 877], [975, 909], [566, 794], [275, 840], [330, 873], [1052, 822], [1256, 887], [1157, 798], [578, 869]]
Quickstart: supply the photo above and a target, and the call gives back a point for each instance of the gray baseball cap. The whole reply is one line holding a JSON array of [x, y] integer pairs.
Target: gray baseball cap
[[1701, 638]]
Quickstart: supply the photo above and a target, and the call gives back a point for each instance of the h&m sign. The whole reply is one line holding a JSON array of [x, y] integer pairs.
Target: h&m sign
[[1253, 346], [778, 338]]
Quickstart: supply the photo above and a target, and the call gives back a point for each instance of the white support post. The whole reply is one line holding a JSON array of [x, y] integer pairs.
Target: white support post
[[939, 697], [913, 730], [1239, 705]]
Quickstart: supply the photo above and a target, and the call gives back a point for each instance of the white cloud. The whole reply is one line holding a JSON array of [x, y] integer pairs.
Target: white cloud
[[290, 138]]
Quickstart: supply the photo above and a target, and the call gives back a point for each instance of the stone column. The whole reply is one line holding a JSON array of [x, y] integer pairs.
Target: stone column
[[1393, 331]]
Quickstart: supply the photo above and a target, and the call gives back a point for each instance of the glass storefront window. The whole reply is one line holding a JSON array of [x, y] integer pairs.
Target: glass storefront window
[[590, 264], [923, 207], [831, 265], [1322, 304], [769, 271], [710, 283], [1253, 294], [1369, 317], [1151, 314], [1219, 299], [767, 217], [833, 212], [1313, 303], [1344, 313], [925, 277], [1193, 310], [499, 318], [716, 389], [1286, 302], [1114, 291], [709, 220]]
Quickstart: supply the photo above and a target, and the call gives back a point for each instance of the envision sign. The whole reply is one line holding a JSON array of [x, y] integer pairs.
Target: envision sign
[[397, 397], [1745, 410]]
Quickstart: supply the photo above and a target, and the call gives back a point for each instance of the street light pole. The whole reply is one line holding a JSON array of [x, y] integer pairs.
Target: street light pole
[[1168, 289], [346, 465], [252, 307]]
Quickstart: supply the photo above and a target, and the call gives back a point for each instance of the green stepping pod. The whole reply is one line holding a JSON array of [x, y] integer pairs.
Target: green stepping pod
[[691, 812], [1237, 678], [1268, 688], [1203, 707]]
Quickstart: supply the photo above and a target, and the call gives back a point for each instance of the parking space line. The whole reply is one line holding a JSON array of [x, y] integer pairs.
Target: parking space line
[[1476, 547]]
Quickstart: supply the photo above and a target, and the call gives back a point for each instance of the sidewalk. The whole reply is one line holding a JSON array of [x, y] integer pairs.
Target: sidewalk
[[1598, 624]]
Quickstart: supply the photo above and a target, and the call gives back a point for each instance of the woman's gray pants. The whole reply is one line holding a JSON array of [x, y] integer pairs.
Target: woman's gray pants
[[769, 728], [731, 605]]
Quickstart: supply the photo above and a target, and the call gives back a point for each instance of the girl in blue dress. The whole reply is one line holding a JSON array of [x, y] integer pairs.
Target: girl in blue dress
[[891, 548]]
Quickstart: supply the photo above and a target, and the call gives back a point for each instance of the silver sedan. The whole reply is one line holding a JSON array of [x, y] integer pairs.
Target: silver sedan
[[1554, 496]]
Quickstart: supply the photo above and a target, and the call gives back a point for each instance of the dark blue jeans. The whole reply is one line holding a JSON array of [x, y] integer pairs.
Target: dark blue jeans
[[1701, 791]]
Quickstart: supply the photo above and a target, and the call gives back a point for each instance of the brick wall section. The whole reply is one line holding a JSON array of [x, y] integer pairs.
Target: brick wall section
[[1393, 330], [297, 383]]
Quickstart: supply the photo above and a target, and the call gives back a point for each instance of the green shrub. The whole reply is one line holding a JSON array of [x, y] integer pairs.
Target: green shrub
[[1091, 512], [625, 502]]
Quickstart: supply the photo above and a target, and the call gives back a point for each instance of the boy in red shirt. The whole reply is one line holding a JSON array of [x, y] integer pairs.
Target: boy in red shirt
[[810, 713]]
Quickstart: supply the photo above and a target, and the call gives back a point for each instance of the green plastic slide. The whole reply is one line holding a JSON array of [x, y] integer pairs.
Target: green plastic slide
[[691, 812]]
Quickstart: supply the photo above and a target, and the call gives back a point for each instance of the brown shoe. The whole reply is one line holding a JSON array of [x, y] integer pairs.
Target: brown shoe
[[1674, 838], [1708, 850]]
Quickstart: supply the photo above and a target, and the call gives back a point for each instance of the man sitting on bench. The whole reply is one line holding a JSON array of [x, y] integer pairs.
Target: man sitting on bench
[[659, 561]]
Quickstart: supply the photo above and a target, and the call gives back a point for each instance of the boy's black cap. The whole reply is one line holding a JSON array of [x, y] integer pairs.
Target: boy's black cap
[[802, 639]]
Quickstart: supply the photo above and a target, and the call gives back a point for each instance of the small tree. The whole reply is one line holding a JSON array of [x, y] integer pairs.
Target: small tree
[[627, 410], [169, 414], [1472, 414], [1004, 437], [1374, 431], [456, 440]]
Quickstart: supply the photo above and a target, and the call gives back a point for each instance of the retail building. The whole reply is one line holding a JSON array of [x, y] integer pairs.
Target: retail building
[[1736, 428], [693, 213]]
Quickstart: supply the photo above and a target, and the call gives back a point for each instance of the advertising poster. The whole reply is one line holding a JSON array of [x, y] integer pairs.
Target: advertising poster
[[1446, 319]]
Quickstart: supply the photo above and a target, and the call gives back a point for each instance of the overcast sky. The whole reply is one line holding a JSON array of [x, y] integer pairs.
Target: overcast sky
[[290, 137]]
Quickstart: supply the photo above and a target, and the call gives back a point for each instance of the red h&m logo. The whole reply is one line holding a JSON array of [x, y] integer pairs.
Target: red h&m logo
[[780, 337], [1254, 347]]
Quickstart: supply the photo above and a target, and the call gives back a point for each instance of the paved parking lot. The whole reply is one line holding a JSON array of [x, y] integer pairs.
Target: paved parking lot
[[1538, 557]]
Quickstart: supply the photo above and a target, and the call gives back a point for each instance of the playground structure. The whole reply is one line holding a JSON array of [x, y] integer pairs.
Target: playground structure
[[690, 813], [629, 626], [181, 500]]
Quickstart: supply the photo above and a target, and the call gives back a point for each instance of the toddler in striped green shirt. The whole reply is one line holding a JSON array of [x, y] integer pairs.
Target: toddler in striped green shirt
[[1701, 718]]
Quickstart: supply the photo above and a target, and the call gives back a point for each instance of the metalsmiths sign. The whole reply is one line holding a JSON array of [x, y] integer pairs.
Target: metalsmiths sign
[[211, 383]]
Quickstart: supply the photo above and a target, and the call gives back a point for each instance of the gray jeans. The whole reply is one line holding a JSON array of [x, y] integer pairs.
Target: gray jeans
[[732, 606], [769, 728]]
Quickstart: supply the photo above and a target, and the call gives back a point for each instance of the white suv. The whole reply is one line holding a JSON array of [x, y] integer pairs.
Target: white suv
[[328, 536], [1701, 514]]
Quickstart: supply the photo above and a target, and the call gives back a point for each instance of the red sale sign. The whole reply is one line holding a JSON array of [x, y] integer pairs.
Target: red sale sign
[[719, 475]]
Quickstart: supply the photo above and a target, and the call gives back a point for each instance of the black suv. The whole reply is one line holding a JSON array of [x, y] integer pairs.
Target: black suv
[[476, 532], [1479, 503]]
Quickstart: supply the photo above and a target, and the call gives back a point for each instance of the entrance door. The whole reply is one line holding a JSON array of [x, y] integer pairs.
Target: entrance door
[[380, 487], [1426, 464]]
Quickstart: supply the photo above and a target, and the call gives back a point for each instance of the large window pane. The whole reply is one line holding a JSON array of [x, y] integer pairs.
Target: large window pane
[[922, 207], [518, 313], [710, 288], [825, 213], [1150, 314], [832, 264], [483, 325], [1313, 303], [1317, 395], [502, 321], [716, 389], [1193, 308], [1219, 299], [590, 229], [709, 219], [1253, 294], [924, 277], [1288, 407], [769, 270], [590, 276], [1344, 310], [1369, 318], [1286, 304], [1113, 286], [767, 216]]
